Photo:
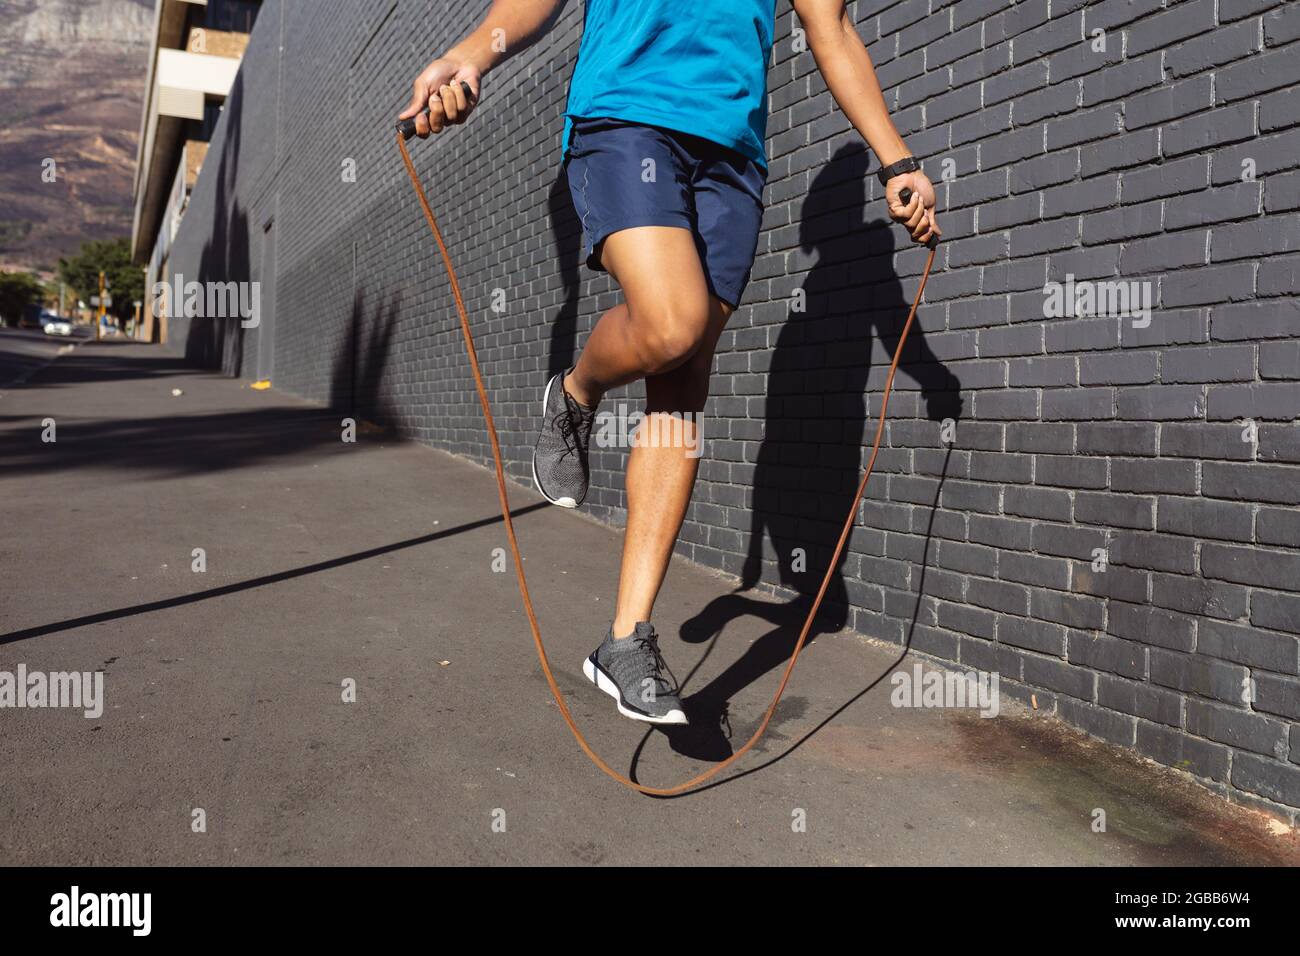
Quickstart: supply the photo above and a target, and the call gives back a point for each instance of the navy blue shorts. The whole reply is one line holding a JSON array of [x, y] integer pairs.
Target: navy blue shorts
[[700, 185]]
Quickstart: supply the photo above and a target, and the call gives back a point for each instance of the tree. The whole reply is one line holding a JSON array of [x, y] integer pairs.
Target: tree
[[18, 290], [113, 258]]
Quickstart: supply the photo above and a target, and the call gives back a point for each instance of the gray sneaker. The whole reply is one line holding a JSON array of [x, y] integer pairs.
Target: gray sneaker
[[631, 670], [560, 468]]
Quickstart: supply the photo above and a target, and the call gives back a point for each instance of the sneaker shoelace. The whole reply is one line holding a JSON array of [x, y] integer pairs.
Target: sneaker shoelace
[[649, 646], [573, 424]]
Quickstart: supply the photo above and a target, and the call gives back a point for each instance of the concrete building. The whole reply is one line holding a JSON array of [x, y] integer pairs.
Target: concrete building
[[194, 58]]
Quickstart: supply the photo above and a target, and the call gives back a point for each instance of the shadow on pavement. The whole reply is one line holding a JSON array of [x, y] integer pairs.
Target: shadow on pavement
[[96, 362], [268, 579], [709, 735], [173, 446]]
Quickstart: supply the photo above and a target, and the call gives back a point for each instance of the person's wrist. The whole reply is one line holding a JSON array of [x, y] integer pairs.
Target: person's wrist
[[464, 56], [888, 157], [899, 167]]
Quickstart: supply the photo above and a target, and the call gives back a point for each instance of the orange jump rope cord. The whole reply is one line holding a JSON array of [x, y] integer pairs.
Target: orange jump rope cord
[[514, 544]]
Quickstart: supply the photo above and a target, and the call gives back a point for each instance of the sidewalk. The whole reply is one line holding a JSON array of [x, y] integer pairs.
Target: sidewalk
[[373, 562]]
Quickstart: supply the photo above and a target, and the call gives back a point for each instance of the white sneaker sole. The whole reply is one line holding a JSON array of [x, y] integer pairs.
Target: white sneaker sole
[[599, 678], [566, 501]]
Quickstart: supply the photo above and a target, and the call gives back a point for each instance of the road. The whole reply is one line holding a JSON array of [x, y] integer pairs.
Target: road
[[226, 735], [22, 351]]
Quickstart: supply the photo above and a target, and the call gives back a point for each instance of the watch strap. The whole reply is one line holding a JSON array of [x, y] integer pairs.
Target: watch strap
[[907, 164]]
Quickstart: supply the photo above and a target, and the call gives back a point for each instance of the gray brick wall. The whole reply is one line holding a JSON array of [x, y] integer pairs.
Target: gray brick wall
[[1112, 524]]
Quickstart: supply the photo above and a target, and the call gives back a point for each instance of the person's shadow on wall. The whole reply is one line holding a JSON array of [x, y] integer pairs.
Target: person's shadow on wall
[[566, 231], [816, 424]]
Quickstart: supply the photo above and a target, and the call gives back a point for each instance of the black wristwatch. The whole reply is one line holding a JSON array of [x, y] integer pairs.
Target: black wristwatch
[[905, 165]]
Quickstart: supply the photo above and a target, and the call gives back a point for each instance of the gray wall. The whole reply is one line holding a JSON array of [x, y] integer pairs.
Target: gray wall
[[1074, 436]]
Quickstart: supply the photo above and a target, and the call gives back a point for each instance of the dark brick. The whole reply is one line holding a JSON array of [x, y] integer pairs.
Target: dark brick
[[1216, 364], [1236, 727], [1166, 252], [1279, 526], [1120, 79], [1279, 442], [1067, 541], [1264, 155], [1167, 103], [1072, 610], [1175, 749], [1268, 778], [1133, 368], [1272, 400], [1247, 482], [1200, 675], [1179, 22], [1237, 201], [1195, 596], [1144, 475], [1082, 126], [1205, 440], [1120, 438], [1127, 222], [1034, 569], [1122, 152], [1230, 124], [1269, 319], [1278, 611], [1040, 437], [1106, 724], [1127, 658], [1126, 584], [1267, 236], [998, 596], [1151, 625], [1257, 74], [1160, 402], [1205, 519], [1111, 510], [1060, 676], [1077, 404], [1245, 645], [1277, 695], [1213, 49], [1157, 552], [1070, 472], [1031, 635], [1141, 700], [967, 620]]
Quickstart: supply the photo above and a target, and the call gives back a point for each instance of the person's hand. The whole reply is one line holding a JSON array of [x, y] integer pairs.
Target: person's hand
[[918, 214], [439, 89]]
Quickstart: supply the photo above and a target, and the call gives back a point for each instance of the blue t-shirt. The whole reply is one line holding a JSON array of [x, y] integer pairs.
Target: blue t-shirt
[[694, 66]]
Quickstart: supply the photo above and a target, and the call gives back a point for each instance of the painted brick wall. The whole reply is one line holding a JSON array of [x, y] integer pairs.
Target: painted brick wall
[[1122, 140]]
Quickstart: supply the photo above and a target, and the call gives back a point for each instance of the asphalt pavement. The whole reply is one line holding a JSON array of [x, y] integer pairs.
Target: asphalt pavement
[[310, 657], [24, 351]]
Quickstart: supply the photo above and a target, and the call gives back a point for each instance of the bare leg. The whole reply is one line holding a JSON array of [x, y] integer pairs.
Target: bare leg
[[665, 332], [660, 478], [663, 320]]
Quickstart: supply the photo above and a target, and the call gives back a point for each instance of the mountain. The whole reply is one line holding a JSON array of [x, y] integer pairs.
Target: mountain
[[72, 83]]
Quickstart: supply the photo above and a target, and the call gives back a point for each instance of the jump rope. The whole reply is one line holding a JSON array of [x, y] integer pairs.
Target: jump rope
[[406, 129]]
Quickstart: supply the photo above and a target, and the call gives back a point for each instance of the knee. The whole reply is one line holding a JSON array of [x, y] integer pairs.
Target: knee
[[670, 333], [684, 390]]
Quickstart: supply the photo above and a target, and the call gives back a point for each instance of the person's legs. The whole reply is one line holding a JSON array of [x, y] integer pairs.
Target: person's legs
[[664, 317], [666, 332], [676, 223], [661, 476]]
